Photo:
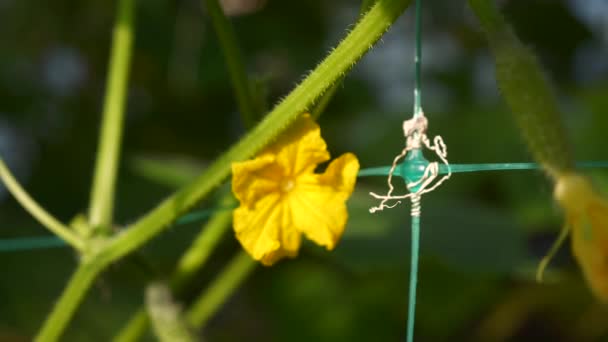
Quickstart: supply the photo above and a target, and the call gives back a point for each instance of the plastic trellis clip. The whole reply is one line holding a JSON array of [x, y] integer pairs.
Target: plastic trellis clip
[[419, 174]]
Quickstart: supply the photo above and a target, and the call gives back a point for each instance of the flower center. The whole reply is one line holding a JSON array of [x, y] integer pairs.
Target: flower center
[[287, 184]]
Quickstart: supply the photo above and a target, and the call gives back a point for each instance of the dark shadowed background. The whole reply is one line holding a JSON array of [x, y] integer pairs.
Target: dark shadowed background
[[482, 234]]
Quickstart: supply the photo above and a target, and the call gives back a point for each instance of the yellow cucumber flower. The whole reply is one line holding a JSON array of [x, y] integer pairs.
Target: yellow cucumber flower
[[587, 216], [281, 197]]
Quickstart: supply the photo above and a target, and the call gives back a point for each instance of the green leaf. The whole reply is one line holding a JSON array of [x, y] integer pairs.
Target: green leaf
[[172, 172]]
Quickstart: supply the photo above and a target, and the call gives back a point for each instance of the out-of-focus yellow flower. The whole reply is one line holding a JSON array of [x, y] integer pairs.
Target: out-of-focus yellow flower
[[282, 198], [587, 216]]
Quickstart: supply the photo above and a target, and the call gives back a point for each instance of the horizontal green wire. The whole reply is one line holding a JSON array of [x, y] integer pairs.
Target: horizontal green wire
[[42, 242], [458, 168]]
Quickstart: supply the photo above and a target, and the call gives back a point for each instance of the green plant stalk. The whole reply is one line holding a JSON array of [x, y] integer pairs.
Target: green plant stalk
[[108, 154], [367, 31], [200, 250], [196, 256], [166, 315], [526, 91], [234, 62], [30, 205], [190, 262], [135, 327], [222, 287], [73, 294]]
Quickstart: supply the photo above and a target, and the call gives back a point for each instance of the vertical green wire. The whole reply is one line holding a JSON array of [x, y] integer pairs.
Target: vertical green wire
[[411, 311], [418, 62]]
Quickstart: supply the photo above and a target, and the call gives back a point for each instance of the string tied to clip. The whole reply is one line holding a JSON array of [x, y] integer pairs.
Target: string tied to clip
[[420, 175]]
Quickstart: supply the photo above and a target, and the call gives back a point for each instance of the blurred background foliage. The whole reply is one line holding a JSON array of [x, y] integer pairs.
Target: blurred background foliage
[[482, 233]]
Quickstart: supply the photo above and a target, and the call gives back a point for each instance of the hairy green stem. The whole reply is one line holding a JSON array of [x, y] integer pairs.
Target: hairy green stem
[[350, 50], [222, 287], [526, 91], [367, 31], [29, 204], [106, 166], [234, 62]]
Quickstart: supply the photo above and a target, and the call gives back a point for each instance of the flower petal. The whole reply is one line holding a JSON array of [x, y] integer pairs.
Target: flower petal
[[318, 201], [300, 148], [341, 174], [256, 178], [587, 214], [590, 245], [266, 230], [281, 197]]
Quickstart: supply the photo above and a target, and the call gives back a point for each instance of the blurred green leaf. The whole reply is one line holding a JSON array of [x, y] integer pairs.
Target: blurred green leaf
[[168, 171]]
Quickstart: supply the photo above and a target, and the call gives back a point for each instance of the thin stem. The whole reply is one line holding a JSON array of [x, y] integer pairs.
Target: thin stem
[[563, 234], [135, 327], [64, 309], [323, 102], [102, 194], [411, 306], [234, 62], [29, 204], [418, 61], [200, 250], [367, 31], [218, 292]]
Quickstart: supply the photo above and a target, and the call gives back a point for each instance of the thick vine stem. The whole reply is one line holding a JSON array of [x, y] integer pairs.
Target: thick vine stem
[[367, 31], [350, 50]]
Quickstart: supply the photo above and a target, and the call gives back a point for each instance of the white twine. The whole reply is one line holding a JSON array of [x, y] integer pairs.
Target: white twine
[[415, 134]]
